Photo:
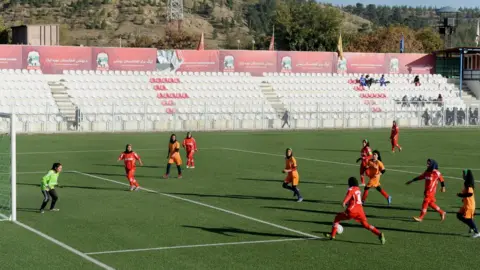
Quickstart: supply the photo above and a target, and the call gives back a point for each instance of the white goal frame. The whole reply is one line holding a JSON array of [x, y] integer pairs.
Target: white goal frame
[[13, 168]]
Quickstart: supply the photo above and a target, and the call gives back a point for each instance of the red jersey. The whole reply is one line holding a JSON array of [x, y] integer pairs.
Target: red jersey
[[366, 155], [189, 144], [394, 132], [353, 199], [431, 182], [130, 159]]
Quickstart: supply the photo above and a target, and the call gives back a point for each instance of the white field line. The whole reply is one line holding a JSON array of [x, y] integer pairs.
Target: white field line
[[90, 151], [206, 205], [199, 246], [65, 246], [329, 162]]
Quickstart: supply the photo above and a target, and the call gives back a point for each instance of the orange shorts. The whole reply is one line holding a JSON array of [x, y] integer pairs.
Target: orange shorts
[[374, 182], [467, 213], [175, 158], [292, 178]]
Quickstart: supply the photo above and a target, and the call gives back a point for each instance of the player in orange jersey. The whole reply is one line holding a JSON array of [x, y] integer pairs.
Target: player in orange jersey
[[190, 146], [292, 174], [130, 160], [174, 156], [432, 176], [394, 137], [365, 156], [354, 210], [467, 212], [375, 169]]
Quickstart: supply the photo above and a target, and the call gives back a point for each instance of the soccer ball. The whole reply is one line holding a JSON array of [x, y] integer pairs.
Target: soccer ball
[[339, 229]]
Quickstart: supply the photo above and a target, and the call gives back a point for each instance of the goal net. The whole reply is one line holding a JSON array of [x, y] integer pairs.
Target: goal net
[[7, 167]]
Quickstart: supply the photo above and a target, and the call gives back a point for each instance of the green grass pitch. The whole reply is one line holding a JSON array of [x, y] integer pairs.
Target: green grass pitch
[[231, 212]]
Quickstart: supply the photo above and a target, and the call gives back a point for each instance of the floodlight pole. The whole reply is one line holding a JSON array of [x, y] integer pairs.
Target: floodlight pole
[[461, 72]]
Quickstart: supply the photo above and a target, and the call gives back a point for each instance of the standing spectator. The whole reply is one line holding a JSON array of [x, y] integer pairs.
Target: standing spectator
[[285, 118], [440, 100], [416, 81], [363, 81], [382, 81]]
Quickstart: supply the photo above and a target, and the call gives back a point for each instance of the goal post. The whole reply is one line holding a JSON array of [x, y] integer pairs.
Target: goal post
[[8, 167]]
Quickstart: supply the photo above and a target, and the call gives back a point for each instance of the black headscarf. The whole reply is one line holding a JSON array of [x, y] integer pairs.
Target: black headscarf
[[468, 177], [433, 165]]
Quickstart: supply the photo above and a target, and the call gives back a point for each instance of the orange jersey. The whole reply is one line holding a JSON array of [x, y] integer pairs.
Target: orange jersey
[[291, 164], [130, 159], [468, 202], [190, 144], [374, 168], [366, 155], [353, 199], [173, 147], [431, 181], [394, 132]]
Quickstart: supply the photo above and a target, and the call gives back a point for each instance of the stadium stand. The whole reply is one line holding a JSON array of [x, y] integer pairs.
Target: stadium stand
[[147, 101]]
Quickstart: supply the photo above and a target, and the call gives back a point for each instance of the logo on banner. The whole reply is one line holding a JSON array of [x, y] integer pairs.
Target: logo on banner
[[286, 64], [33, 60], [394, 65], [102, 61], [229, 64], [342, 65]]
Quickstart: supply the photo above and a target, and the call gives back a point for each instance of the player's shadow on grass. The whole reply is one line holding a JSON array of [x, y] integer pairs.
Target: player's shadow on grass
[[69, 186], [332, 150], [333, 213], [122, 166], [229, 231], [279, 181], [378, 206], [250, 197], [353, 225], [26, 209]]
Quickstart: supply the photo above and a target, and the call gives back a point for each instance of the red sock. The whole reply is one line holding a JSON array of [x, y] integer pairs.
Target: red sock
[[135, 183], [436, 207], [334, 230], [370, 228], [192, 162], [362, 179], [365, 195], [424, 210], [384, 193]]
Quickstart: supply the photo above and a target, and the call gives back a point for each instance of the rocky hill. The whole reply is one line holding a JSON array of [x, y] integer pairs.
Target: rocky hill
[[111, 22]]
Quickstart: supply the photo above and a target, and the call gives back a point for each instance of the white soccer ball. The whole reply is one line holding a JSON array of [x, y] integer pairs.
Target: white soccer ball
[[339, 229]]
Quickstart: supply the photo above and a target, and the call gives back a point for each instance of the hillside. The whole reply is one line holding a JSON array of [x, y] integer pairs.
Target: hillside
[[109, 22]]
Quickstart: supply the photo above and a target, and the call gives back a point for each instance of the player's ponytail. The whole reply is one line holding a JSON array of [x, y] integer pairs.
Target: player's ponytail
[[56, 165]]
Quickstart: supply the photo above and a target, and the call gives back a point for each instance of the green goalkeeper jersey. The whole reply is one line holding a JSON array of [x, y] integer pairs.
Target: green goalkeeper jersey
[[50, 180]]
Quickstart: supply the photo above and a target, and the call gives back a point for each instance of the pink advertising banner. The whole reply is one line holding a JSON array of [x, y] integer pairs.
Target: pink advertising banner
[[54, 60], [255, 62], [305, 62], [10, 57], [365, 63], [409, 63], [135, 59]]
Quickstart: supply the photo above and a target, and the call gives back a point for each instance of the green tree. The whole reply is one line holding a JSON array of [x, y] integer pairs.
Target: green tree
[[430, 40]]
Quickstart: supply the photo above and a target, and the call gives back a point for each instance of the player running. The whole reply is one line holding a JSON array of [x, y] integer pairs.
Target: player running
[[467, 212], [365, 156], [432, 176], [190, 146], [49, 181], [174, 156], [130, 158], [394, 137], [292, 174], [354, 210], [375, 169]]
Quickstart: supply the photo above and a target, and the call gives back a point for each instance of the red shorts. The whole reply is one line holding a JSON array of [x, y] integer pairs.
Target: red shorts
[[358, 216], [130, 173], [429, 198], [363, 169], [190, 153]]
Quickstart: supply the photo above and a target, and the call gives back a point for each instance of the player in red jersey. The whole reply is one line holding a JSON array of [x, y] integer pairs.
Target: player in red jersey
[[354, 210], [190, 146], [432, 176], [394, 137], [130, 160], [365, 156]]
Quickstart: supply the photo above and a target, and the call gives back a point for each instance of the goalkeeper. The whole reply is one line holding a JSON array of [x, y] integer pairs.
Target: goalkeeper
[[49, 181]]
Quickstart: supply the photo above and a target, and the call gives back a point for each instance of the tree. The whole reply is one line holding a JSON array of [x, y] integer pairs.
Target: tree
[[142, 42], [4, 37], [177, 40], [307, 26], [430, 40]]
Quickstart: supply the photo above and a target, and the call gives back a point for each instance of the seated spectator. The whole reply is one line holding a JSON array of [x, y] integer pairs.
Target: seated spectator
[[416, 81], [382, 81], [439, 100], [368, 81], [363, 82]]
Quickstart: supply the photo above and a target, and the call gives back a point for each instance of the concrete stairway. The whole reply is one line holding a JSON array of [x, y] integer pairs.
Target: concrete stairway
[[467, 96], [65, 105], [272, 98]]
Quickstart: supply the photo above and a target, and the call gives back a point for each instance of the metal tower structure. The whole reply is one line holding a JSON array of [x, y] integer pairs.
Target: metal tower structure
[[447, 24], [175, 12]]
